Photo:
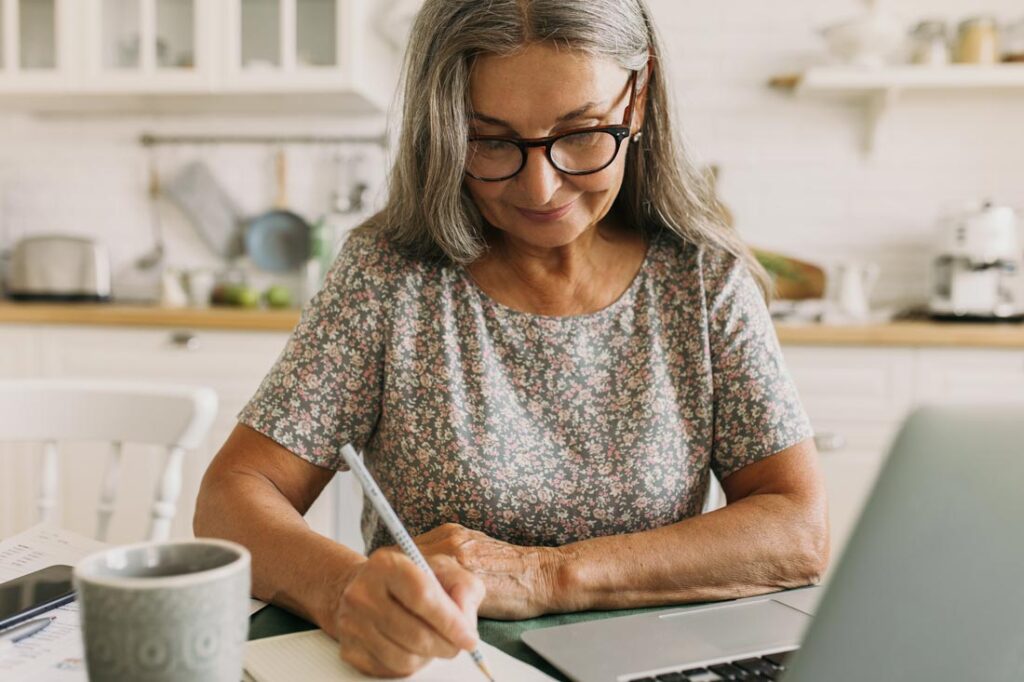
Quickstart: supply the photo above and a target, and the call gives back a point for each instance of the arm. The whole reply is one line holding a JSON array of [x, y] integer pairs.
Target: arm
[[389, 617], [255, 493], [772, 535]]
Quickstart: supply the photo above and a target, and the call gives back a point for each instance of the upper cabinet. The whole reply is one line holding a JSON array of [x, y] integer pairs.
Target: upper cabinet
[[161, 55], [34, 41]]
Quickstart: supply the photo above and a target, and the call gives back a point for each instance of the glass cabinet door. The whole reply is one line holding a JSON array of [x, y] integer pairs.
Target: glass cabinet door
[[37, 35], [287, 35], [121, 34], [316, 37], [260, 34], [176, 34], [147, 35]]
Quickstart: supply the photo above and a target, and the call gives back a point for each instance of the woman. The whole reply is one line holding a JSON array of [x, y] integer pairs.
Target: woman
[[544, 346]]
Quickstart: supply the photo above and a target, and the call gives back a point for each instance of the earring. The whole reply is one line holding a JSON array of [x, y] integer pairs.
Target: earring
[[636, 137]]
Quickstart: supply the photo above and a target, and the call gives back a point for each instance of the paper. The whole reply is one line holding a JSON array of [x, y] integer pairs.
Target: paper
[[56, 653], [41, 546], [313, 657]]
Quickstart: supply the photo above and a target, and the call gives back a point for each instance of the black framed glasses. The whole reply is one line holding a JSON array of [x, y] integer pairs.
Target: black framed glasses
[[580, 151]]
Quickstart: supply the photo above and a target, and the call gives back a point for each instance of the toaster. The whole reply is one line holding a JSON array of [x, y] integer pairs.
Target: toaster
[[58, 268]]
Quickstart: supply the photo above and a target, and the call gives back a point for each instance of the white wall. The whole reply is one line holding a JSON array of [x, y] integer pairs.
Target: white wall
[[792, 170]]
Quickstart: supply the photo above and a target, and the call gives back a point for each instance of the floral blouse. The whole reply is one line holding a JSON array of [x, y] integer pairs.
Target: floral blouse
[[536, 430]]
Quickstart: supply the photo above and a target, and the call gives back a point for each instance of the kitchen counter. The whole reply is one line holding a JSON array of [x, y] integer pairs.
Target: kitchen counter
[[902, 333]]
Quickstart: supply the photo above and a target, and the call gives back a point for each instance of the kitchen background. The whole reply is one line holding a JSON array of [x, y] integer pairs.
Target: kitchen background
[[800, 171], [793, 170]]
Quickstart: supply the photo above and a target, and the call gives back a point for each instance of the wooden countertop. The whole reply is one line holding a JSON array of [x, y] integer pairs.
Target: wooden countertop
[[932, 334], [118, 315]]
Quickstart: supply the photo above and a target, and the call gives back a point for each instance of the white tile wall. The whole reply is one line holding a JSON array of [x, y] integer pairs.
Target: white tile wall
[[792, 170]]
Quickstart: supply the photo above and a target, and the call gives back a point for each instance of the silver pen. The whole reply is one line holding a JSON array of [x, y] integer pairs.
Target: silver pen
[[21, 631], [398, 531]]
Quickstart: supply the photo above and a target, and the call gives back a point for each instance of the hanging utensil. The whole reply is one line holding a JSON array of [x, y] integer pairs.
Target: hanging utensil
[[155, 256], [278, 240]]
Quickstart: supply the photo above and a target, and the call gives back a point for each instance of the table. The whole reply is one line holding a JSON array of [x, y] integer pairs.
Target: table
[[504, 635]]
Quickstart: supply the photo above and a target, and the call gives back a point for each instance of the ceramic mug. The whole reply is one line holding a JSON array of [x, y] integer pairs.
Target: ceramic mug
[[165, 611]]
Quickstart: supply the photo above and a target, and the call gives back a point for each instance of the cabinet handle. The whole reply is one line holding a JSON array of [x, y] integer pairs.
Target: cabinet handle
[[829, 442], [186, 341]]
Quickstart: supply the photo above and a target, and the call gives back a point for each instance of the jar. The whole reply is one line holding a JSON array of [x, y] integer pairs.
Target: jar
[[978, 41], [1013, 42], [929, 43]]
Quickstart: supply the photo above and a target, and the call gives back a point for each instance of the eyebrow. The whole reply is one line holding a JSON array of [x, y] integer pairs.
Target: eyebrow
[[575, 113]]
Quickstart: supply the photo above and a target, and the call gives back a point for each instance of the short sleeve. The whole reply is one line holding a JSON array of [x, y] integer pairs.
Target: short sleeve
[[325, 389], [757, 411]]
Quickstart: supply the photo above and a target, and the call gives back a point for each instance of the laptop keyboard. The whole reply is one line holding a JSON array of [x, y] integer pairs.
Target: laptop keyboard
[[768, 667]]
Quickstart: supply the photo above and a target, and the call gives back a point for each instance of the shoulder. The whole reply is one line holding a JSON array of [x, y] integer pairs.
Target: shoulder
[[370, 260], [681, 263]]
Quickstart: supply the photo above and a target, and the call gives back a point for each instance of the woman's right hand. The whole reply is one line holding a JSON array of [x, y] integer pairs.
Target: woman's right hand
[[392, 618]]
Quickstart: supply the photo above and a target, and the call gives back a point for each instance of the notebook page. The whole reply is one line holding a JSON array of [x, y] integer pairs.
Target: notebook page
[[313, 657]]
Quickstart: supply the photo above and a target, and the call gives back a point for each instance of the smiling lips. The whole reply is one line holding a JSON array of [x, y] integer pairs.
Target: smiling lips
[[547, 216]]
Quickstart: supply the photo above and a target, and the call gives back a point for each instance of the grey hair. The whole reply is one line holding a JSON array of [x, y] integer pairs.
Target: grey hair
[[429, 213]]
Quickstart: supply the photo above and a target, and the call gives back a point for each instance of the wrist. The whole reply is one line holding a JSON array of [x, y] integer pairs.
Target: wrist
[[562, 578], [340, 574]]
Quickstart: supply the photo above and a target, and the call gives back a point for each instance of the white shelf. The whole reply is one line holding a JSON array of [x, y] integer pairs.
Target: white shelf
[[880, 88]]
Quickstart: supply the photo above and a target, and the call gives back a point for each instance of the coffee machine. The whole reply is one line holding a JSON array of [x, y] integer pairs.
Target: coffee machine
[[978, 271]]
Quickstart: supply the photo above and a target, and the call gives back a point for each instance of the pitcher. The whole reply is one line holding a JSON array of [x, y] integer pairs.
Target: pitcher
[[852, 291]]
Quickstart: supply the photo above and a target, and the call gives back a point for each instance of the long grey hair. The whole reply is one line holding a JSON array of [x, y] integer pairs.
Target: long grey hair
[[428, 211]]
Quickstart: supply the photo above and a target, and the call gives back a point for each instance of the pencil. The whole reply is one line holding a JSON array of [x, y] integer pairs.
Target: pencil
[[398, 531]]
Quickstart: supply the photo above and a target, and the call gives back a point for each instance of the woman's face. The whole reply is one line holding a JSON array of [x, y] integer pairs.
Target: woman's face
[[538, 92]]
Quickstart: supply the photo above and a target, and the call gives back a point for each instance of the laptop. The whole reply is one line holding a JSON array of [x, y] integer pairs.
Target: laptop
[[930, 586]]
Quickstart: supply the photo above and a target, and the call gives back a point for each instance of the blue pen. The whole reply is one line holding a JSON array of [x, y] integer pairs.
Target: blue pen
[[398, 531]]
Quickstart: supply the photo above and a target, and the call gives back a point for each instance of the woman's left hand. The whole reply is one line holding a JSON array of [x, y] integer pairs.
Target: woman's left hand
[[520, 581]]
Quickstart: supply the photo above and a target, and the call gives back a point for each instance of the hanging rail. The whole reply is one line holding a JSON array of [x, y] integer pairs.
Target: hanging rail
[[151, 140]]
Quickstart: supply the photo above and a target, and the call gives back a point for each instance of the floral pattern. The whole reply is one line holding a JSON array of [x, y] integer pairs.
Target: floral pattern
[[535, 430]]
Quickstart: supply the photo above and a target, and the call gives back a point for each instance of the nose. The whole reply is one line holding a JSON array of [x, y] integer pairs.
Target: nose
[[538, 180]]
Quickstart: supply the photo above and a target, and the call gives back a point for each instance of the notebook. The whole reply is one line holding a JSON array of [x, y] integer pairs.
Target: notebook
[[312, 656]]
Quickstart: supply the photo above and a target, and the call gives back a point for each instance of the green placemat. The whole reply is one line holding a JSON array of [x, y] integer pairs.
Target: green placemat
[[504, 635]]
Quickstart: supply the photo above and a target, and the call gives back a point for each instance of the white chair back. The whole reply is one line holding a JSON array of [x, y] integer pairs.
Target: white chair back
[[52, 411]]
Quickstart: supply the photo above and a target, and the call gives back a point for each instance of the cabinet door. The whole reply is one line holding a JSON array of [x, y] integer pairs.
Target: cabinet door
[[856, 399], [977, 376], [149, 45], [290, 44], [849, 477], [18, 360], [232, 363], [36, 41]]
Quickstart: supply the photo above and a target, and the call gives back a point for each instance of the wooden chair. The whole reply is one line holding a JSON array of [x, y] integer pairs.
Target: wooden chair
[[54, 411]]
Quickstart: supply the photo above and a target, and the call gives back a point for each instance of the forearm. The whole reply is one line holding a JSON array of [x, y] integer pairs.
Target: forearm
[[759, 544], [292, 566]]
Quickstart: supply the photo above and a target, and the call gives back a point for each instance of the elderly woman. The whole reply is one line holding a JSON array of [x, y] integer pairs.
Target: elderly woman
[[544, 345]]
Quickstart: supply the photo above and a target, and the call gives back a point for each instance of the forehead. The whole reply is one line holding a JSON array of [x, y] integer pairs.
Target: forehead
[[542, 80]]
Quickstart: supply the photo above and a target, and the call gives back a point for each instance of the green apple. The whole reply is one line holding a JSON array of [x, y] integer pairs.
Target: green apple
[[278, 296]]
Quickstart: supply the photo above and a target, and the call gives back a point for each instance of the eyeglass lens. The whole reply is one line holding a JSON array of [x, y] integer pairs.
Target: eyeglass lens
[[575, 153]]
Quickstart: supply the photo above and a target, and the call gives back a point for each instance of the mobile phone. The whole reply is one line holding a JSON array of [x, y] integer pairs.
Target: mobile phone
[[34, 593]]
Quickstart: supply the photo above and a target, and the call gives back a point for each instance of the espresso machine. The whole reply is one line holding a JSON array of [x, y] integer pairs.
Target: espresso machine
[[978, 270]]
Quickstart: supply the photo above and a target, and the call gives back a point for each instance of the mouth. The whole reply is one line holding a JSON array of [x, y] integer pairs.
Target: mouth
[[547, 216]]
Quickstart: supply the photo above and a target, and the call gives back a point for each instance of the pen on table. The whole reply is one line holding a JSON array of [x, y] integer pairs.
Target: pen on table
[[398, 531], [19, 632]]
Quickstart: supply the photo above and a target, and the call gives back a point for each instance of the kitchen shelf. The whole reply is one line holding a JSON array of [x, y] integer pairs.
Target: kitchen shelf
[[879, 89]]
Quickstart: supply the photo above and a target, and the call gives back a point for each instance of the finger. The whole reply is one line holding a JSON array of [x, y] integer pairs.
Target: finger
[[412, 633], [468, 595], [423, 595], [362, 659], [392, 654]]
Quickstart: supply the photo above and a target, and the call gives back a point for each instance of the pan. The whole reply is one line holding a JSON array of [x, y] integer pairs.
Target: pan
[[278, 240]]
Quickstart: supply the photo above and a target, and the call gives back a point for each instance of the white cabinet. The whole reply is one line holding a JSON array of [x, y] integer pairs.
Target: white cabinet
[[232, 363], [37, 43], [856, 398], [970, 376], [148, 45], [255, 55]]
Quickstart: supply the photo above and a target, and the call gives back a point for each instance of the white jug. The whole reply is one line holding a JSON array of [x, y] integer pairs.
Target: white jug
[[852, 291]]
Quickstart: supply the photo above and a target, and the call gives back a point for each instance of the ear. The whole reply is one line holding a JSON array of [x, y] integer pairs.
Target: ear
[[640, 109]]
